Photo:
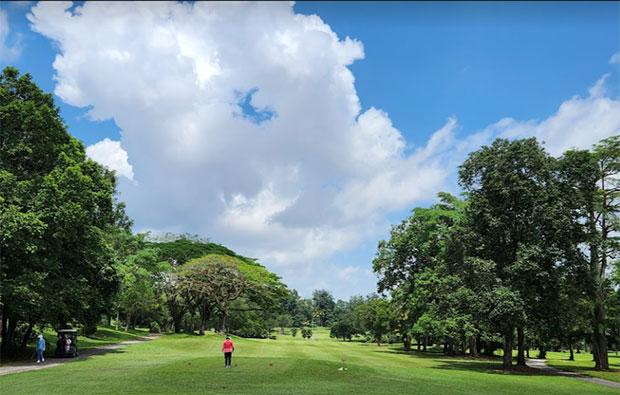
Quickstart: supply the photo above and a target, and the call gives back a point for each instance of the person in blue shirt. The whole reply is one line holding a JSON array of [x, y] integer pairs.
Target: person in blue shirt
[[40, 349]]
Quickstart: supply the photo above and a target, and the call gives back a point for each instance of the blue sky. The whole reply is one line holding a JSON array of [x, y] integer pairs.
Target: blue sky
[[270, 131]]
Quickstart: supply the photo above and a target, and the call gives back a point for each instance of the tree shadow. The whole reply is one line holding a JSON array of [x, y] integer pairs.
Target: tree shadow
[[480, 364]]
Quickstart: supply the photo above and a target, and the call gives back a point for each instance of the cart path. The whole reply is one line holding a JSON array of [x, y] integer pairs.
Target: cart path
[[541, 364], [51, 362]]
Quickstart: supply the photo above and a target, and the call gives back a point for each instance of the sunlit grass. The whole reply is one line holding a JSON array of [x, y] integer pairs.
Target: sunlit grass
[[194, 364]]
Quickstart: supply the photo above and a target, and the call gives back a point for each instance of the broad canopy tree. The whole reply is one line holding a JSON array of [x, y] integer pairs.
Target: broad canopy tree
[[56, 206]]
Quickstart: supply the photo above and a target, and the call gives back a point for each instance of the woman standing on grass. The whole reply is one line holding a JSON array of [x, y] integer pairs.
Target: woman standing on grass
[[227, 348]]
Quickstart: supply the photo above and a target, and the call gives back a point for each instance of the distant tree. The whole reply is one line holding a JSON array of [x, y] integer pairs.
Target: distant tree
[[211, 283], [374, 317], [284, 321], [323, 306], [306, 333], [344, 328]]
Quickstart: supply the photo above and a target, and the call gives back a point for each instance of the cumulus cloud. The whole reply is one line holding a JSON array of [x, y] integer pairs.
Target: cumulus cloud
[[243, 124], [615, 58], [179, 79], [10, 47], [578, 123], [110, 153]]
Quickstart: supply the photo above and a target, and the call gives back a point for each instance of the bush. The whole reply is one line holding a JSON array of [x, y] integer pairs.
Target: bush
[[293, 332], [89, 329], [154, 327], [306, 333], [273, 337]]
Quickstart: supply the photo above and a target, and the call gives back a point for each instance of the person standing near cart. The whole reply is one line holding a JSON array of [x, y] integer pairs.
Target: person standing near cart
[[40, 349], [227, 348]]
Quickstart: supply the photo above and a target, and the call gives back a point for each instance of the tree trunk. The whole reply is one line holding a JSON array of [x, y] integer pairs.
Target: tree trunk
[[223, 323], [128, 322], [572, 354], [176, 322], [599, 340], [508, 340], [419, 345], [425, 343], [542, 353], [520, 346], [191, 321], [26, 336], [527, 352], [407, 343], [473, 347], [5, 333], [118, 317], [201, 330]]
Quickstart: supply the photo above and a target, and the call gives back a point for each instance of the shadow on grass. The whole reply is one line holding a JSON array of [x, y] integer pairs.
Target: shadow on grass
[[481, 364]]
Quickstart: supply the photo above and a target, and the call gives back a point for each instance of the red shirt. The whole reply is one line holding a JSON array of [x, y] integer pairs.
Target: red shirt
[[228, 346]]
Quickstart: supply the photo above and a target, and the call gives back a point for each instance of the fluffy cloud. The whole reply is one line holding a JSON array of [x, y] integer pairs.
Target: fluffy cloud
[[291, 188], [578, 123], [10, 49], [109, 153], [243, 124], [615, 58]]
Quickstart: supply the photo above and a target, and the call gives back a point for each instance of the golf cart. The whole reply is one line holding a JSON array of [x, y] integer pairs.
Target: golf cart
[[66, 345]]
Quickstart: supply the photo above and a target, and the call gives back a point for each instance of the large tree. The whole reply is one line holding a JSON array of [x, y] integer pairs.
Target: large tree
[[516, 213], [591, 179], [56, 208]]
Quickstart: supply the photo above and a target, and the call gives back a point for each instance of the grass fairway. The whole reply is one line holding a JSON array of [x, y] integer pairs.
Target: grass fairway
[[192, 364], [583, 365]]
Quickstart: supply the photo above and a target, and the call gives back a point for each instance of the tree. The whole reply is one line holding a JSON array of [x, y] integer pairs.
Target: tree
[[344, 328], [374, 317], [323, 306], [210, 284], [56, 208], [515, 210], [592, 179]]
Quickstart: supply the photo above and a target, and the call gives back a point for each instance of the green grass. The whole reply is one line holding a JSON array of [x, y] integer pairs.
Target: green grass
[[104, 336], [583, 364], [194, 364]]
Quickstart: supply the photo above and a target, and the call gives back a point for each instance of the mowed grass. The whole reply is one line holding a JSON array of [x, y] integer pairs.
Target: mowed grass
[[103, 336], [583, 364], [178, 364]]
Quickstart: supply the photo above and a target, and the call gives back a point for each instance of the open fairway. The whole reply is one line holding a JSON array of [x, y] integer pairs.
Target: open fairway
[[193, 364]]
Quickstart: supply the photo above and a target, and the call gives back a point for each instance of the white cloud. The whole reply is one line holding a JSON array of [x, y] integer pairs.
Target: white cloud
[[578, 123], [10, 48], [110, 153], [615, 58], [317, 178]]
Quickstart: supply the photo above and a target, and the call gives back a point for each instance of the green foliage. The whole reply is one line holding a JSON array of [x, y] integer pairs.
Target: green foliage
[[344, 328], [324, 305], [57, 209], [374, 317], [306, 333]]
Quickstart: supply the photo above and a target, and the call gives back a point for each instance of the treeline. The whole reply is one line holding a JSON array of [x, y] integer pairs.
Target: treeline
[[528, 259], [68, 256]]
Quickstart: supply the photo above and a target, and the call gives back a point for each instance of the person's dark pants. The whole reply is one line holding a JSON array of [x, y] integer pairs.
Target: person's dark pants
[[227, 358], [39, 355]]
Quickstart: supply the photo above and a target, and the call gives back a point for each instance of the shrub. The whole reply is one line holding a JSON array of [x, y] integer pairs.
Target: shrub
[[293, 332], [154, 327]]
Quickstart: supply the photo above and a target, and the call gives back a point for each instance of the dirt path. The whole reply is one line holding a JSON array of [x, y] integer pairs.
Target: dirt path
[[51, 362], [541, 364]]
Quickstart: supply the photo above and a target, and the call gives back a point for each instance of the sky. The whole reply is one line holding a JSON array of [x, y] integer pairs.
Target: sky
[[298, 133]]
